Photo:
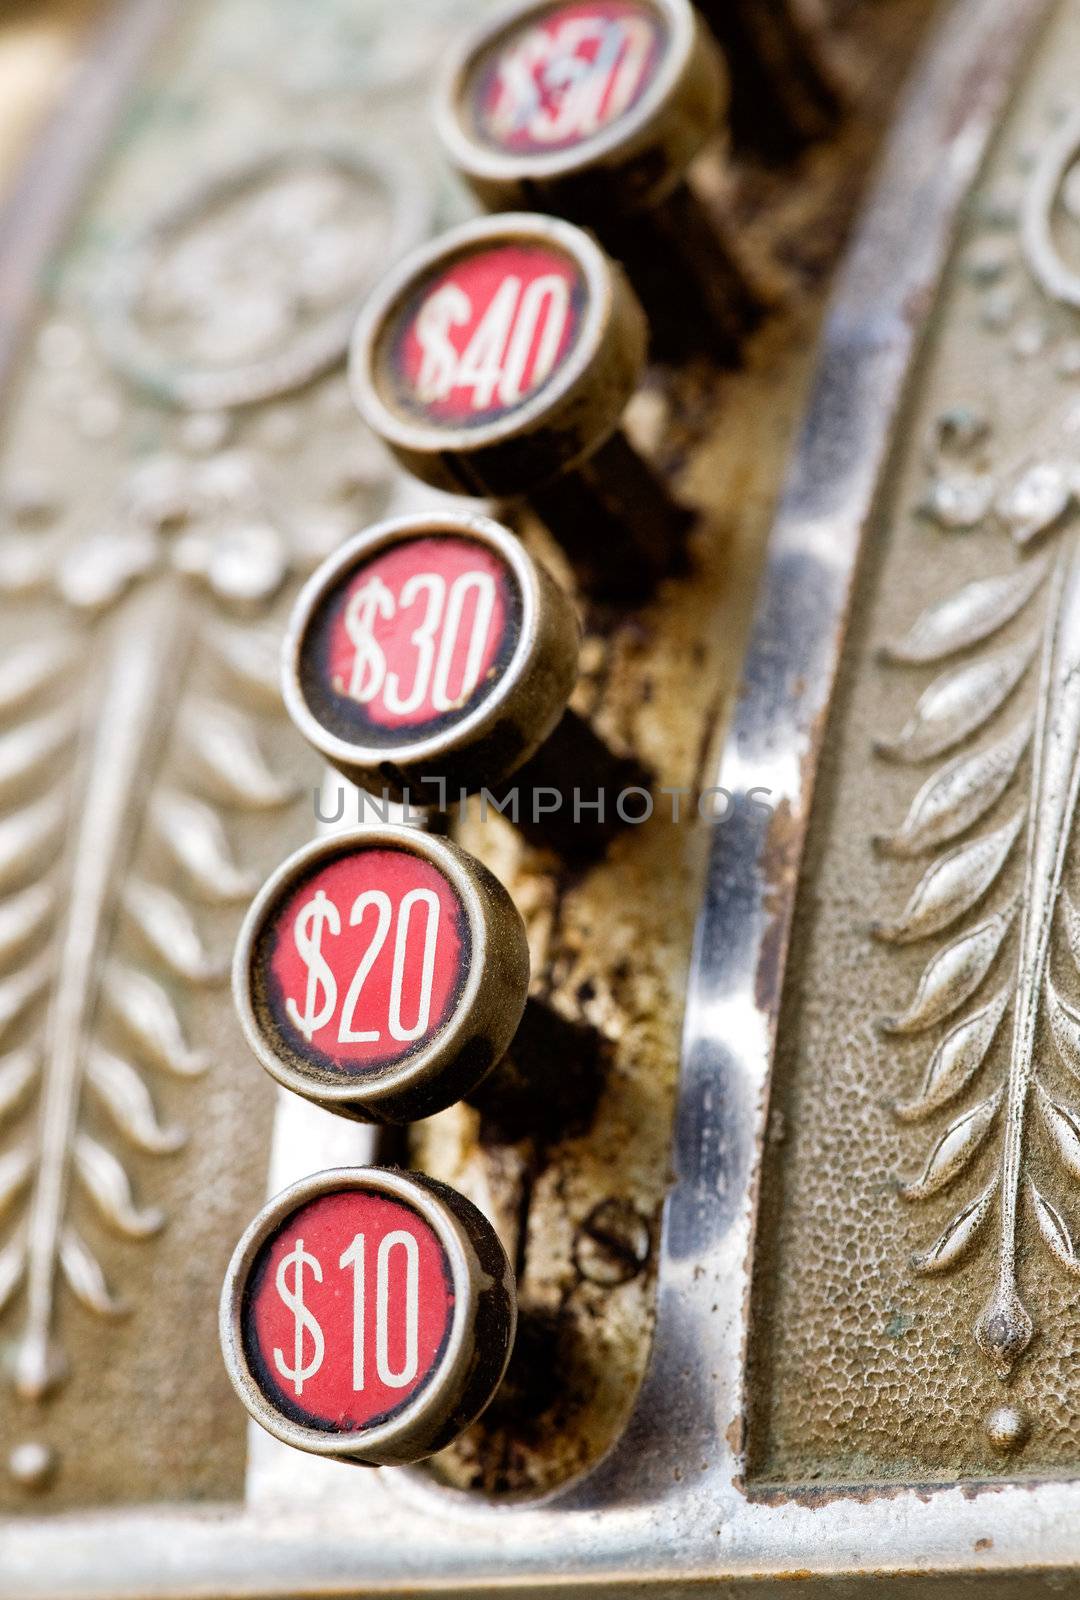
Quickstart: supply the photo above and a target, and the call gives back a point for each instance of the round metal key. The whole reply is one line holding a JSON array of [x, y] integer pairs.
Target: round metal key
[[497, 361], [430, 645], [367, 1315], [594, 110], [381, 973], [432, 656]]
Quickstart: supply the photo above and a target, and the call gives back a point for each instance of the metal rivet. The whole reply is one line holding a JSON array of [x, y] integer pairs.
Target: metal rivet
[[612, 1244], [1007, 1428], [32, 1464]]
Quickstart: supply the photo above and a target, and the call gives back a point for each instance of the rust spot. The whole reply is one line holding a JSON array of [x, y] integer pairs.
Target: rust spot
[[779, 866], [919, 304], [814, 1497]]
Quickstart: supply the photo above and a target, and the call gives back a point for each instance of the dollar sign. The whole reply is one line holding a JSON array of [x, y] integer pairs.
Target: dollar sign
[[448, 307], [319, 912], [373, 599], [303, 1316]]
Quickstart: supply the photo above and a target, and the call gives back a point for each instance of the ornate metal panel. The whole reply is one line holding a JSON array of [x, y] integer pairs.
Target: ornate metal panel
[[150, 539], [935, 1079], [843, 1350]]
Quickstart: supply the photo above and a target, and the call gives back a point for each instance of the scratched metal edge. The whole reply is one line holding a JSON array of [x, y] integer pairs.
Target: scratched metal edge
[[667, 1510]]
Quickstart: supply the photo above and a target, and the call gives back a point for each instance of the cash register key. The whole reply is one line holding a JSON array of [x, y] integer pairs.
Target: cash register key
[[594, 110], [496, 361], [432, 656], [368, 1315], [381, 974]]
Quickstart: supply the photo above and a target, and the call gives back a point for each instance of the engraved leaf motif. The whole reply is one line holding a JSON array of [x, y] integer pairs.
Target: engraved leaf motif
[[968, 617], [957, 1059], [121, 1089], [108, 1185], [16, 1169], [224, 753], [18, 1074], [1065, 1026], [966, 788], [27, 837], [1053, 1230], [956, 882], [84, 1277], [957, 796], [1072, 926], [98, 803], [193, 834], [29, 747], [1035, 499], [1063, 1127], [29, 669], [959, 703], [171, 932], [23, 917], [954, 1242], [953, 975], [252, 658], [151, 1020], [955, 1150], [12, 1269], [19, 992]]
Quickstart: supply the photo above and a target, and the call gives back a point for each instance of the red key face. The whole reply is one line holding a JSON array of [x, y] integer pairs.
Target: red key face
[[411, 641], [486, 334], [566, 76], [361, 963], [347, 1310]]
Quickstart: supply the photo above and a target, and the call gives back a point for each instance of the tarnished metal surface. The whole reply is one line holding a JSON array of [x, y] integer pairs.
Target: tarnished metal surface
[[149, 778], [676, 1503], [223, 191], [938, 1307]]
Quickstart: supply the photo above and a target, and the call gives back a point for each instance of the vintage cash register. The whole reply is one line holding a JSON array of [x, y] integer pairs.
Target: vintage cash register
[[539, 749]]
